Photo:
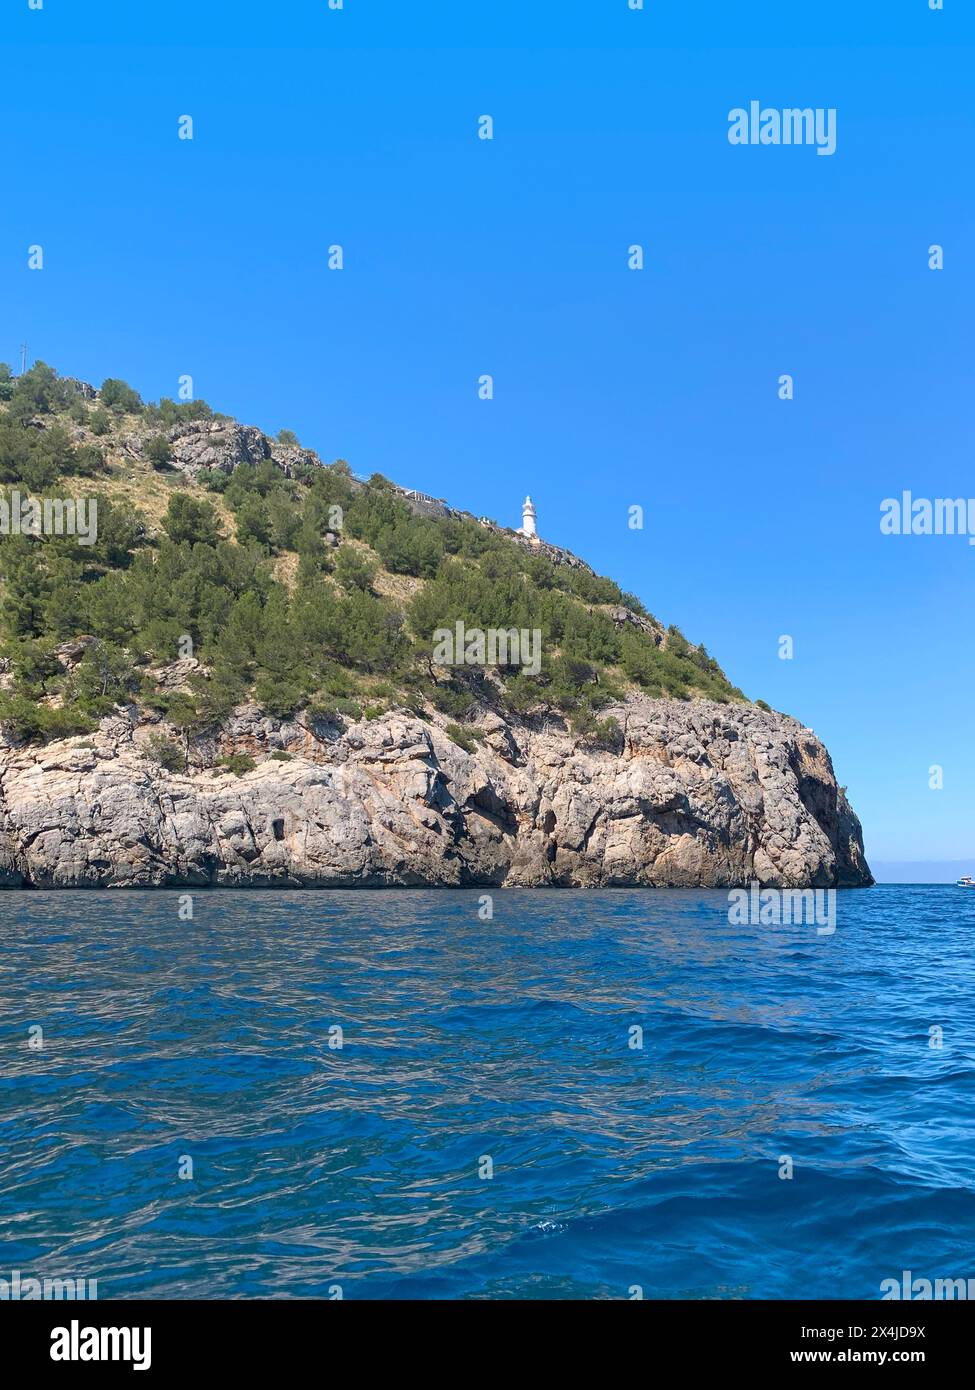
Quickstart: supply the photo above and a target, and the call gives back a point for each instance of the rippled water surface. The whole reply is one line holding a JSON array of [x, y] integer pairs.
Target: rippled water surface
[[467, 1040]]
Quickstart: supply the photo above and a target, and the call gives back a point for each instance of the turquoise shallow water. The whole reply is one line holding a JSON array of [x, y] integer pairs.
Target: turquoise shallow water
[[467, 1039]]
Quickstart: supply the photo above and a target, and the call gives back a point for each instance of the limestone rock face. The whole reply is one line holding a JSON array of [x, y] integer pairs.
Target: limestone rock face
[[223, 445], [692, 794], [216, 444]]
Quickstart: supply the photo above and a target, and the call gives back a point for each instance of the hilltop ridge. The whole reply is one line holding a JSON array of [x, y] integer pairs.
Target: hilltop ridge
[[291, 581]]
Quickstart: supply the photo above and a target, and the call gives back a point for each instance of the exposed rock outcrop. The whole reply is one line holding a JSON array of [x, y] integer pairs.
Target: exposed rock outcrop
[[692, 794], [216, 444]]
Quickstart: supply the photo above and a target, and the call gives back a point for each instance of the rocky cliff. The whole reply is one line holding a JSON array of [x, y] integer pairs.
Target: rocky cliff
[[687, 793]]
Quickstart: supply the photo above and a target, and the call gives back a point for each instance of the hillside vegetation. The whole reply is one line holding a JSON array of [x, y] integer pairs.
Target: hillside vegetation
[[248, 572]]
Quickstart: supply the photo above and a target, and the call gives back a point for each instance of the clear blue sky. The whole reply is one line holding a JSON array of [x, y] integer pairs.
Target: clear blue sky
[[509, 257]]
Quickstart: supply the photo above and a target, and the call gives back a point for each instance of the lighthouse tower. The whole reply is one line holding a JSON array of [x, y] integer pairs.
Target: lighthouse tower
[[528, 518]]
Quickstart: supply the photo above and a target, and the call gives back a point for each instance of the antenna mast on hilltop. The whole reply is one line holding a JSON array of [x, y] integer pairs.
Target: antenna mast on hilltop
[[23, 358]]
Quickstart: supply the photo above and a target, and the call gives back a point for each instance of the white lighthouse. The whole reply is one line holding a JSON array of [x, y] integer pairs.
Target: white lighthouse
[[527, 527]]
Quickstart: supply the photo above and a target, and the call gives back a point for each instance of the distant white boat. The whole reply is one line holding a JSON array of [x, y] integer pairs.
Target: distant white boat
[[966, 881]]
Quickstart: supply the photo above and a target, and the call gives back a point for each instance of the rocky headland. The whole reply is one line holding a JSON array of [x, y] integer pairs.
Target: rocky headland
[[236, 686]]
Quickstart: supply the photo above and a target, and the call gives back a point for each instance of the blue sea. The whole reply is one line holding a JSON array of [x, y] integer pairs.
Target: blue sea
[[489, 1126]]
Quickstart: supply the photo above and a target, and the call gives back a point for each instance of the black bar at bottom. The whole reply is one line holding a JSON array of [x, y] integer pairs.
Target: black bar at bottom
[[267, 1336]]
